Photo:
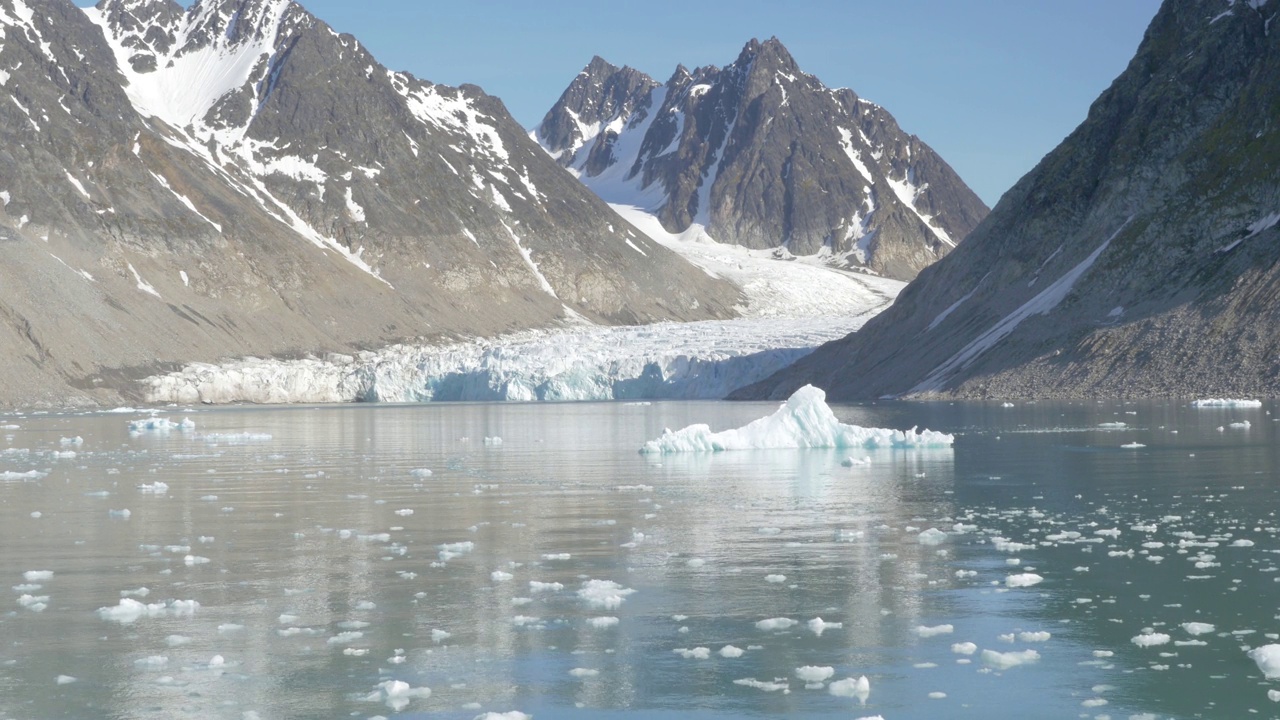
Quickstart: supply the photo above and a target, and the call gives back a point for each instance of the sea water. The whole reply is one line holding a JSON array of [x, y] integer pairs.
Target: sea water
[[500, 560]]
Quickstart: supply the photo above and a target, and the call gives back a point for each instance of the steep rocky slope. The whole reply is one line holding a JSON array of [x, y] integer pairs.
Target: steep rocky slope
[[237, 178], [1139, 258], [763, 155]]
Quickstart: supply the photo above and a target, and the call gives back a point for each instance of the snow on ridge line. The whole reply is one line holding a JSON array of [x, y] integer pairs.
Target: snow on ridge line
[[803, 421]]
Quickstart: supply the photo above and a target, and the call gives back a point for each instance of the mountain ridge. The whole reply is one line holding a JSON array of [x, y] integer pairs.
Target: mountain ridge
[[1137, 259], [763, 155]]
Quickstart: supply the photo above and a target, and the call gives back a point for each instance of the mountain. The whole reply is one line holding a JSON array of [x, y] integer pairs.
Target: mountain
[[1140, 258], [238, 179], [762, 155]]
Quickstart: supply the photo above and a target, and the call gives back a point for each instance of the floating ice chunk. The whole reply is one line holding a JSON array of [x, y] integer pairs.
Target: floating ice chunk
[[34, 603], [804, 421], [493, 441], [539, 587], [1150, 639], [927, 632], [814, 674], [604, 593], [397, 694], [729, 651], [1112, 425], [122, 514], [1006, 660], [64, 680], [129, 610], [1242, 542], [28, 475], [1023, 580], [190, 560], [854, 462], [603, 622], [775, 579], [584, 672], [77, 440], [1242, 425], [1226, 403], [1268, 659], [154, 662], [37, 575], [500, 576], [819, 626], [439, 636], [1273, 695], [698, 653], [849, 687], [509, 715], [1030, 637], [177, 640], [932, 536], [773, 686], [404, 512], [964, 648], [155, 488], [160, 425], [448, 551], [343, 638], [420, 472], [1197, 628], [1132, 446], [778, 623]]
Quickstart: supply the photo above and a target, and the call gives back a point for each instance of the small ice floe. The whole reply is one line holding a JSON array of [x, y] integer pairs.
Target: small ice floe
[[346, 637], [154, 662], [767, 686], [449, 551], [76, 441], [420, 472], [494, 441], [699, 562], [557, 556], [1132, 446], [122, 514], [778, 623], [605, 594], [814, 677], [1226, 403], [397, 694], [819, 626], [932, 536], [925, 631], [698, 653], [964, 648], [1037, 636], [1113, 425], [804, 421], [855, 462], [775, 579], [603, 622], [859, 688], [730, 651], [34, 603], [536, 586], [1150, 639], [1268, 659], [1242, 542], [584, 672], [439, 636], [37, 575], [129, 610], [64, 680], [155, 488], [500, 576], [404, 512], [10, 475], [1197, 628], [1023, 580], [160, 425], [1006, 660]]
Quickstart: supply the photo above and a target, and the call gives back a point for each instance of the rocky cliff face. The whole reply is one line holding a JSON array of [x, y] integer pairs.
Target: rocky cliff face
[[237, 178], [762, 155], [1139, 258]]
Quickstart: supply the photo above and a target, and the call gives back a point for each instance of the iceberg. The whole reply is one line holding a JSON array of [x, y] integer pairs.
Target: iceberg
[[1226, 403], [804, 421]]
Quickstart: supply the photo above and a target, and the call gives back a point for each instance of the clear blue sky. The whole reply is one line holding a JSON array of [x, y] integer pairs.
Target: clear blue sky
[[992, 85]]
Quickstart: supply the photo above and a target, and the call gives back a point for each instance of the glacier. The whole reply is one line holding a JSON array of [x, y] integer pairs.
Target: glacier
[[702, 360], [803, 421]]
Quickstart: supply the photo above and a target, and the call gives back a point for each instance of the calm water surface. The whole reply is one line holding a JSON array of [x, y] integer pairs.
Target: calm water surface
[[561, 574]]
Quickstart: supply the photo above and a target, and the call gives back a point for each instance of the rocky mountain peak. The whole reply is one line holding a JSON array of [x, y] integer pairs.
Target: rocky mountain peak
[[760, 154]]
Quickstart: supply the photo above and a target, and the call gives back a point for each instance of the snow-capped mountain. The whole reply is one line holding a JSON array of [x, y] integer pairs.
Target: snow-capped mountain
[[237, 178], [1139, 258], [763, 155]]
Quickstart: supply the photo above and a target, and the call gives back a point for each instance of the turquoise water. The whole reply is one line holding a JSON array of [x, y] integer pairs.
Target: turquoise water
[[315, 584]]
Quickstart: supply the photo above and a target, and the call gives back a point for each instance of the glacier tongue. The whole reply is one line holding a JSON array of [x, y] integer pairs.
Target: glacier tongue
[[705, 360]]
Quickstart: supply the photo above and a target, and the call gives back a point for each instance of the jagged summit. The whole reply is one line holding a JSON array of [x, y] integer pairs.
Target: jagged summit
[[1141, 257], [760, 154]]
